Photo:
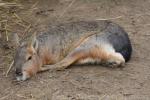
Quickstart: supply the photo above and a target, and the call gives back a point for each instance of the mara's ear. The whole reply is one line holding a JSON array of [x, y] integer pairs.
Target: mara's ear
[[15, 39], [33, 43]]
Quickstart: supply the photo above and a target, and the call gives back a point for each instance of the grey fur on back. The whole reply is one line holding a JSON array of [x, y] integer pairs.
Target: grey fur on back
[[61, 36]]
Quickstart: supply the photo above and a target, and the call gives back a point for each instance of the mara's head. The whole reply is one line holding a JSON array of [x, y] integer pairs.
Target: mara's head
[[26, 60]]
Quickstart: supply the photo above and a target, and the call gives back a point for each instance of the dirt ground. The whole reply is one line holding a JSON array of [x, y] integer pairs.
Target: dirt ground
[[86, 82]]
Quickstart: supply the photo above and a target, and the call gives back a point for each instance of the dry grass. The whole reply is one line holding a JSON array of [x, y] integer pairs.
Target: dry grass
[[10, 19]]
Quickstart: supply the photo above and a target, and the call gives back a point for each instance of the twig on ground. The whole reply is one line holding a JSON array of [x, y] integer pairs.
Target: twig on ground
[[26, 30], [9, 68], [65, 10], [6, 31], [34, 5], [32, 9], [9, 4], [20, 18], [110, 18], [6, 57], [22, 96], [24, 26], [17, 16]]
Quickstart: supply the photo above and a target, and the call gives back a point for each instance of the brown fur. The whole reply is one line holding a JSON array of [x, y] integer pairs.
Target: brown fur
[[31, 70], [79, 55], [47, 59]]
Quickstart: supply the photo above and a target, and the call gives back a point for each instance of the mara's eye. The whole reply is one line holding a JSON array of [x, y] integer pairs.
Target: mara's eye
[[30, 57]]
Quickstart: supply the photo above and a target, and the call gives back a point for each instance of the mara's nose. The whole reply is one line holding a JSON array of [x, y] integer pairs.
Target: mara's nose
[[18, 72]]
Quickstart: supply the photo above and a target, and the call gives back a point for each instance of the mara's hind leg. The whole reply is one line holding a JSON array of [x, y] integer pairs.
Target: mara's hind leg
[[67, 61], [95, 54]]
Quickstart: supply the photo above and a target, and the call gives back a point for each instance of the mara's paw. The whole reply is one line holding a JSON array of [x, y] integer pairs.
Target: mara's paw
[[115, 64], [116, 60]]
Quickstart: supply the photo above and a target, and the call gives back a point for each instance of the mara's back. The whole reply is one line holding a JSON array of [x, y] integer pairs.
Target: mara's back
[[60, 38]]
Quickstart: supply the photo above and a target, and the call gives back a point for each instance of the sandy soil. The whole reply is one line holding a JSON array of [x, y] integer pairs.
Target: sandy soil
[[86, 82]]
